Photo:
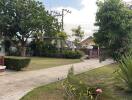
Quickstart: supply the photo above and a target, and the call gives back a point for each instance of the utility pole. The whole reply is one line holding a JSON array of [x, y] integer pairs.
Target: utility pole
[[62, 20], [62, 14]]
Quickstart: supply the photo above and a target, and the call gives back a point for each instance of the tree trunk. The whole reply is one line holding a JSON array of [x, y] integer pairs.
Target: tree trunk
[[23, 51]]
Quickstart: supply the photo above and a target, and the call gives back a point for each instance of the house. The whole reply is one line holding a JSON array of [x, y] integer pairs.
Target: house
[[89, 47], [88, 43]]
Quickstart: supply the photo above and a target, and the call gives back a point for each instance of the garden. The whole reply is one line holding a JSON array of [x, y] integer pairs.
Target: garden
[[105, 78], [34, 39], [112, 82]]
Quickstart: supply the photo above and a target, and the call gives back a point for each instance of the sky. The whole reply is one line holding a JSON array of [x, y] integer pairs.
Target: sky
[[83, 13]]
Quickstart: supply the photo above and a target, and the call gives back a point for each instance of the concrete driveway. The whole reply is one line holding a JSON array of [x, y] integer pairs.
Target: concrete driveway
[[14, 85]]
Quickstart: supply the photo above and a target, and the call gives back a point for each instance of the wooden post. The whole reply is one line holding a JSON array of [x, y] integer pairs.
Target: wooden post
[[98, 52], [2, 60]]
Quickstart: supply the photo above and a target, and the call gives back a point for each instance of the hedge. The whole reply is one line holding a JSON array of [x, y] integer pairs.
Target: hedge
[[72, 54], [69, 54], [16, 63]]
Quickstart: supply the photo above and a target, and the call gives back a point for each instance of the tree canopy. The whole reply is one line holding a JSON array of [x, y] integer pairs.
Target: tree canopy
[[78, 33], [114, 22], [21, 19]]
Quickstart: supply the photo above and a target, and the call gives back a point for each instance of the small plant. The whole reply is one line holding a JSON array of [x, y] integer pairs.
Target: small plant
[[125, 72], [75, 89]]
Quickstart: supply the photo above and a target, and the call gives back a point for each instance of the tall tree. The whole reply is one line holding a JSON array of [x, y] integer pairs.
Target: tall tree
[[78, 33], [20, 19], [114, 23]]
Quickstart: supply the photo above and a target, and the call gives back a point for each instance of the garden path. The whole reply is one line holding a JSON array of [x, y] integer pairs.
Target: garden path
[[16, 84]]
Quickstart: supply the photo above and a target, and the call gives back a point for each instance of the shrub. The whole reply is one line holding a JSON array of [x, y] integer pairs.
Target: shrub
[[72, 54], [15, 63], [63, 54], [77, 90], [52, 53], [125, 73]]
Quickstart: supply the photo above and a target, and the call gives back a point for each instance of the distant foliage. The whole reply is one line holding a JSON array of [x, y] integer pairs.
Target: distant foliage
[[63, 35], [40, 48], [78, 33], [49, 50]]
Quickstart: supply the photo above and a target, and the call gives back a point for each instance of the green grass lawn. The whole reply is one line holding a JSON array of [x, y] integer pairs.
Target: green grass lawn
[[41, 63], [100, 75]]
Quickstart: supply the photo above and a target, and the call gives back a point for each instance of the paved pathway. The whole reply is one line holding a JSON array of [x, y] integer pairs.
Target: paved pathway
[[15, 85]]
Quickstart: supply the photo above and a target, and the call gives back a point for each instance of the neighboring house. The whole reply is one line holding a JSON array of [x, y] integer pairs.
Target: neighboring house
[[89, 47], [88, 43]]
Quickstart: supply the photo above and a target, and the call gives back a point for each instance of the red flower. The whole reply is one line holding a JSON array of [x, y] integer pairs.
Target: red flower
[[98, 91]]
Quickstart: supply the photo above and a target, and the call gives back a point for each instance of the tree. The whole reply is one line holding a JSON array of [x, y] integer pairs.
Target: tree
[[21, 19], [114, 23], [62, 35], [78, 33]]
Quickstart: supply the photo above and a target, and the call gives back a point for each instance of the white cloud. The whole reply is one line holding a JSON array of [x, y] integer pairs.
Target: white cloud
[[84, 17]]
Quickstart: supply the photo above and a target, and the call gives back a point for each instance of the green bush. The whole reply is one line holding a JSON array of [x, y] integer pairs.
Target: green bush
[[16, 63], [52, 53], [125, 73], [72, 54]]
